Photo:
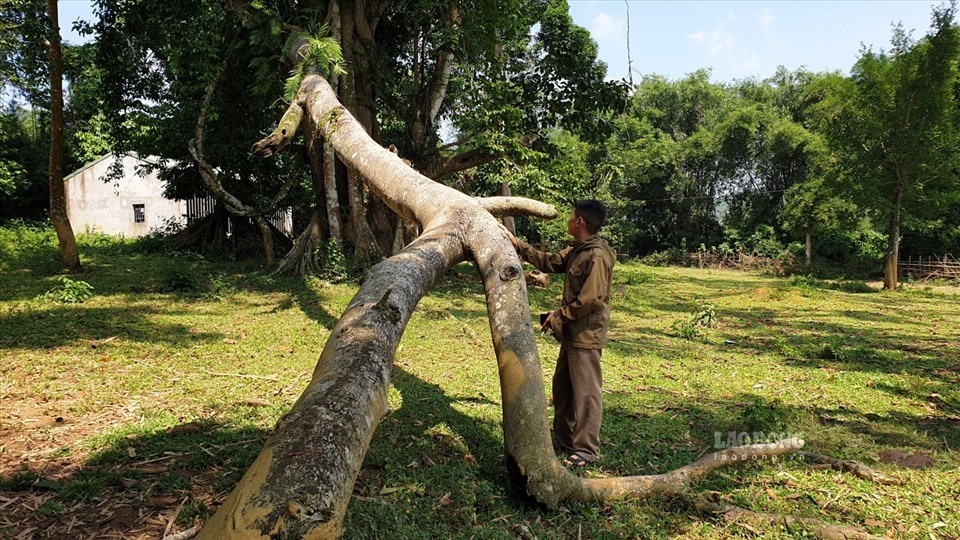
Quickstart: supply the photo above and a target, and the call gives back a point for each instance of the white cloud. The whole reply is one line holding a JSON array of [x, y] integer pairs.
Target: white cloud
[[605, 26], [768, 24], [718, 40], [721, 44], [713, 42]]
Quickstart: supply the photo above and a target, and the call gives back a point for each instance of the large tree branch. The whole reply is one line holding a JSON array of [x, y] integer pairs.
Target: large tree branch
[[300, 484], [460, 162], [517, 206], [281, 136], [677, 480], [210, 176]]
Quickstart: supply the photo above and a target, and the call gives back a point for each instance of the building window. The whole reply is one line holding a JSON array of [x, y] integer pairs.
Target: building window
[[139, 215]]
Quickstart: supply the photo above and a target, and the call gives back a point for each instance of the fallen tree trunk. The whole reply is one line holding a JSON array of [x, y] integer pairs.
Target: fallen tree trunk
[[300, 484]]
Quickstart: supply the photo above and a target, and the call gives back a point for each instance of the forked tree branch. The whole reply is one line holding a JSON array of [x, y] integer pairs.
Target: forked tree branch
[[301, 482]]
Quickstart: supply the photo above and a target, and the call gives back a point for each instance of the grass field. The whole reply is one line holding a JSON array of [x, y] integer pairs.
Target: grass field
[[135, 411]]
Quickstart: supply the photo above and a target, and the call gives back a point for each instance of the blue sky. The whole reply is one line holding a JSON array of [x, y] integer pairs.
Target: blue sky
[[742, 39], [749, 38]]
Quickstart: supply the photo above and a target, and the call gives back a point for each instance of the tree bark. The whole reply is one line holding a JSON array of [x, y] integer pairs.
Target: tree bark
[[892, 258], [69, 254], [332, 199], [300, 484], [507, 220], [362, 236], [808, 248]]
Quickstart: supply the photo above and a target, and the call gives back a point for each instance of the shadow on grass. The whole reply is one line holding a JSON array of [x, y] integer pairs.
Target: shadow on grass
[[136, 483], [58, 324], [299, 292], [431, 469]]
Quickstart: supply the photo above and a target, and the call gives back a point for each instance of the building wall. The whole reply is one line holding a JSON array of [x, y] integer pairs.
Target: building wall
[[108, 207]]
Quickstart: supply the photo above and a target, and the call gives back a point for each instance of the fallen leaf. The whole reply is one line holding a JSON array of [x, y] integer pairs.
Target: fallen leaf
[[126, 482], [389, 490]]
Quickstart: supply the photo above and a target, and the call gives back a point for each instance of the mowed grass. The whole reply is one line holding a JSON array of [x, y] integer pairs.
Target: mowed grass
[[145, 403]]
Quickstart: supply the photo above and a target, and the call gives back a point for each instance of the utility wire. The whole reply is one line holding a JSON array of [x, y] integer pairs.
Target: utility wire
[[698, 197]]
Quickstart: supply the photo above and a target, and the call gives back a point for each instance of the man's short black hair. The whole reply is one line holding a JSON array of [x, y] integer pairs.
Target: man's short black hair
[[593, 212]]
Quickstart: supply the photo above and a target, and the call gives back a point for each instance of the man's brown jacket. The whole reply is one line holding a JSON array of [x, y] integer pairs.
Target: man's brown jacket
[[588, 266]]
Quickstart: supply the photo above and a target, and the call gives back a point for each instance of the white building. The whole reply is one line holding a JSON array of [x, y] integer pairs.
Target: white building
[[133, 204]]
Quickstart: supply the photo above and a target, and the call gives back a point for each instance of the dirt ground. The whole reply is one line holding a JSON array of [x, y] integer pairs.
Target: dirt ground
[[32, 441]]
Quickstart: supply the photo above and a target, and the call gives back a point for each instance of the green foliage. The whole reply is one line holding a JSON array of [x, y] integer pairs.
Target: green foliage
[[69, 291], [763, 416], [893, 126], [24, 191], [321, 53], [27, 244], [692, 328], [180, 280], [333, 262]]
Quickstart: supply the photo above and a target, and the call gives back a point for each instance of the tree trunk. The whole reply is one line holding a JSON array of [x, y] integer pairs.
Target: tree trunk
[[302, 257], [69, 254], [892, 259], [507, 220], [266, 236], [364, 241], [332, 198], [808, 248], [301, 482]]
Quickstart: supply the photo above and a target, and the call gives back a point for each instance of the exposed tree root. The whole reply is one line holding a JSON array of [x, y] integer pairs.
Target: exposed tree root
[[185, 535], [677, 481], [818, 528], [853, 467]]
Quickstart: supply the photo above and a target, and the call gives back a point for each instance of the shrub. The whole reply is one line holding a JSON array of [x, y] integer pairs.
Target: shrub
[[180, 281], [333, 262], [702, 318], [28, 244], [69, 291]]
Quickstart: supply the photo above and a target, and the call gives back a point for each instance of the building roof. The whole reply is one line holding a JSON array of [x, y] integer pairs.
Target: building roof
[[153, 160]]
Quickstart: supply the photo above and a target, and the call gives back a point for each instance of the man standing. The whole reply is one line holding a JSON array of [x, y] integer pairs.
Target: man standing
[[581, 324]]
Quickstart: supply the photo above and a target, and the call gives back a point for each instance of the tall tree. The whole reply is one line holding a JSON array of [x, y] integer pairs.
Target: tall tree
[[894, 125], [32, 62], [69, 254]]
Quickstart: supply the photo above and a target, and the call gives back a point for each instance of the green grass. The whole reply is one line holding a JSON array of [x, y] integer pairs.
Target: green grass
[[171, 375]]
